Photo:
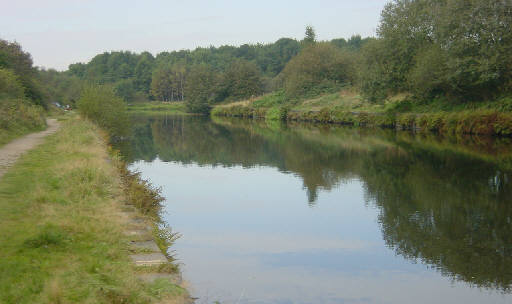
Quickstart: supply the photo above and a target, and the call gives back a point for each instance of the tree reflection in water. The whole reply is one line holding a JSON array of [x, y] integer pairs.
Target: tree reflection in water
[[446, 202]]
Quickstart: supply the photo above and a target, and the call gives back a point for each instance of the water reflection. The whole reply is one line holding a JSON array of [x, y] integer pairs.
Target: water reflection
[[444, 202]]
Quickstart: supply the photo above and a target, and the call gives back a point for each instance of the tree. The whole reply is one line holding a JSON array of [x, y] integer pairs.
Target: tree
[[162, 84], [143, 72], [310, 36], [14, 58], [454, 48], [242, 80], [318, 67], [201, 89], [125, 89]]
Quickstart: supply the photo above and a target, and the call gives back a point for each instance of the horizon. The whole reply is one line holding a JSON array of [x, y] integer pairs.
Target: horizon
[[59, 33]]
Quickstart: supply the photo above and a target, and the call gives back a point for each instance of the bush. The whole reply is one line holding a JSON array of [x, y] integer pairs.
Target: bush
[[18, 117], [10, 86], [276, 113], [101, 105]]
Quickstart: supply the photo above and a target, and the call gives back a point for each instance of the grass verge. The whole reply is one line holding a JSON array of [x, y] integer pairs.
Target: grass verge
[[61, 238], [346, 107]]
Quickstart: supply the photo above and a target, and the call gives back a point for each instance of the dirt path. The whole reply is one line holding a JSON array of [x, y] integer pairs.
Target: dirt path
[[13, 150]]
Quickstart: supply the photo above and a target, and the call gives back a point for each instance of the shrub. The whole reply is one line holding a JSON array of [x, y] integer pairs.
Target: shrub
[[101, 105], [10, 86], [276, 113], [18, 117]]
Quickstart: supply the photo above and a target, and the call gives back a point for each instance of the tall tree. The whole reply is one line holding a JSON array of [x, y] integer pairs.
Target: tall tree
[[310, 36]]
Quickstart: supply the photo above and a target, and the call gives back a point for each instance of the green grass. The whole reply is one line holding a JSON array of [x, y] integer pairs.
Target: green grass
[[158, 108], [270, 100], [60, 237], [399, 111]]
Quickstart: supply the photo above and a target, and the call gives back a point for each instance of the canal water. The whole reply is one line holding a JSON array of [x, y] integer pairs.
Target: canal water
[[273, 213]]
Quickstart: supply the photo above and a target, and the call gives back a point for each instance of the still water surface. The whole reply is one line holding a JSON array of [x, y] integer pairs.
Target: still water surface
[[328, 214]]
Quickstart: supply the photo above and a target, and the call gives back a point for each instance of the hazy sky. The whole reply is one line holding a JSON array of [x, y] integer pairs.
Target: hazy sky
[[60, 32]]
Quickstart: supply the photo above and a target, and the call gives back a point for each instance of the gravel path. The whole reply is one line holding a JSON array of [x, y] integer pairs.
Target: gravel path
[[13, 150]]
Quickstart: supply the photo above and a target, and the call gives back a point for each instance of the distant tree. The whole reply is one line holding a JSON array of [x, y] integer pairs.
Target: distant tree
[[310, 36], [318, 67], [168, 83], [242, 80], [162, 84], [143, 72], [125, 89], [201, 89], [77, 69]]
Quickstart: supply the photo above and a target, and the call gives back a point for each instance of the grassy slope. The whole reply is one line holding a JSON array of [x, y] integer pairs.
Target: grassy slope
[[347, 107], [351, 100], [60, 237], [158, 108]]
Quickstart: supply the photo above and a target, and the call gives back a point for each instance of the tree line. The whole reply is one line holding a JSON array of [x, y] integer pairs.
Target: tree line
[[448, 50], [231, 73]]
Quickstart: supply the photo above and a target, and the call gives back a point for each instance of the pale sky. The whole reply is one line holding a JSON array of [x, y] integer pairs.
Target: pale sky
[[60, 32]]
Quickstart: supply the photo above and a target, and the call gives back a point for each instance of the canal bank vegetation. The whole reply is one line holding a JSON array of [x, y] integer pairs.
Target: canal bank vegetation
[[428, 56], [435, 65], [62, 239], [22, 104], [156, 108]]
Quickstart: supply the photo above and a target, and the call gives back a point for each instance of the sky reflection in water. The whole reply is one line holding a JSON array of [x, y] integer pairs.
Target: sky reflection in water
[[302, 216]]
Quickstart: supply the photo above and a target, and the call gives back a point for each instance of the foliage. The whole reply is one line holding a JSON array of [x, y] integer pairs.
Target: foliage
[[481, 122], [241, 80], [454, 48], [101, 105], [19, 117], [201, 89], [18, 114], [276, 113], [60, 87], [273, 99], [139, 192], [316, 68], [310, 35], [164, 76], [13, 57], [10, 86], [168, 83]]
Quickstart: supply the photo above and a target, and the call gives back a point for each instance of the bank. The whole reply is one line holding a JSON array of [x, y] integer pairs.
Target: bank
[[63, 236], [347, 108]]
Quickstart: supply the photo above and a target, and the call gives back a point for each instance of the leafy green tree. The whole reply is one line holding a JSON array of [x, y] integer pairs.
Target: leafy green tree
[[125, 89], [242, 80], [310, 36], [201, 89], [162, 84], [454, 48], [143, 72], [14, 58], [318, 67]]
